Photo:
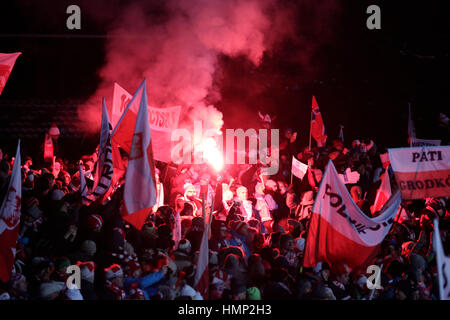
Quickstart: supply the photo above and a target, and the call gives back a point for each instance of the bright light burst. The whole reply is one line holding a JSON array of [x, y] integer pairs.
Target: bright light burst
[[212, 154]]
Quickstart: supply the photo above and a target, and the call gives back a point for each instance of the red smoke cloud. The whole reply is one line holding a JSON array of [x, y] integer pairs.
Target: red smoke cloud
[[178, 53]]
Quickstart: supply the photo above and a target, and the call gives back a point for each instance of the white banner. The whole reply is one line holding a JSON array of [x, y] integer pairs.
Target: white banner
[[161, 119], [422, 172], [335, 204], [442, 263], [299, 169]]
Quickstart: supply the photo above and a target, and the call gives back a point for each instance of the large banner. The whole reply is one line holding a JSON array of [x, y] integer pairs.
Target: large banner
[[339, 231], [422, 172], [161, 120]]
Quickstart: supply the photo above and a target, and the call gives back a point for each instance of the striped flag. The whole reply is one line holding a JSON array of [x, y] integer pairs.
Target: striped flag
[[339, 231], [383, 194], [10, 219], [317, 126], [140, 190], [201, 279], [104, 169], [7, 61]]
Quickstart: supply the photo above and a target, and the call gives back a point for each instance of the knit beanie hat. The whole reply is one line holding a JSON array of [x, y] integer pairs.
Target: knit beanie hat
[[253, 293], [185, 246], [94, 221], [113, 271], [135, 292], [49, 288], [87, 270], [89, 247]]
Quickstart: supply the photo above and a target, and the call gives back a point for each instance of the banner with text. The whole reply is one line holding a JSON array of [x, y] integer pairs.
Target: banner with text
[[422, 172]]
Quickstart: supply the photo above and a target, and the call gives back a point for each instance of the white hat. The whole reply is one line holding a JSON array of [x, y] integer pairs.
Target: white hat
[[187, 291], [113, 271], [48, 288]]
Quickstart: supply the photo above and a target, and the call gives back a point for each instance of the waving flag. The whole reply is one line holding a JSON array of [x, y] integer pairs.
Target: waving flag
[[9, 220], [298, 168], [383, 194], [317, 126], [7, 61], [177, 230], [87, 199], [140, 189], [442, 263], [201, 279], [104, 169], [48, 148], [339, 231], [162, 122]]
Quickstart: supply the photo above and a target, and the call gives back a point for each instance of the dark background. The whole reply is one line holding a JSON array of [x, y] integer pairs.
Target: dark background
[[362, 79]]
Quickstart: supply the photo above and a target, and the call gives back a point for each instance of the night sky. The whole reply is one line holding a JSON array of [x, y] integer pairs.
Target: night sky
[[362, 79]]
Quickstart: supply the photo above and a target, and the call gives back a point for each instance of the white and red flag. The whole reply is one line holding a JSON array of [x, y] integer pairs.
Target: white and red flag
[[10, 219], [422, 172], [298, 169], [442, 263], [7, 61], [140, 190], [48, 148], [177, 230], [201, 279], [104, 169], [384, 157], [161, 120], [383, 194], [317, 126], [339, 231]]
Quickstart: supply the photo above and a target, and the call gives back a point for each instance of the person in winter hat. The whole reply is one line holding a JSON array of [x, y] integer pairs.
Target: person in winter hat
[[136, 293], [87, 270], [114, 283], [182, 256]]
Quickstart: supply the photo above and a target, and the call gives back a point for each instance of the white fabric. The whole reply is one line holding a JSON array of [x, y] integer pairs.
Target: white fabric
[[104, 170], [335, 204], [140, 191], [420, 159], [298, 168], [443, 264]]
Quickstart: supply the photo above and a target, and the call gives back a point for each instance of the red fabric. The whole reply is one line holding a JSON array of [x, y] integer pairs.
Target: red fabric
[[8, 240], [203, 284], [325, 244], [137, 219], [317, 126]]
